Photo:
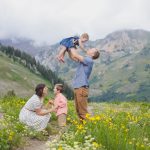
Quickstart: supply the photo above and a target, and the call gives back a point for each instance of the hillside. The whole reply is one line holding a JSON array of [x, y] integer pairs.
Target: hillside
[[126, 78], [122, 72], [14, 76], [26, 45]]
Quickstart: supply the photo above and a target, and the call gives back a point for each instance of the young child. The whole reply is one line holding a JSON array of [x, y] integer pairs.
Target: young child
[[60, 105], [70, 45]]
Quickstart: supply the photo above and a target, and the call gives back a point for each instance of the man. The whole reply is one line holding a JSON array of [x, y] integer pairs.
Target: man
[[80, 81]]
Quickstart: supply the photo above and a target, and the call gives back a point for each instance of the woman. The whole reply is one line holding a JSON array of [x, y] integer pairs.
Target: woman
[[33, 114]]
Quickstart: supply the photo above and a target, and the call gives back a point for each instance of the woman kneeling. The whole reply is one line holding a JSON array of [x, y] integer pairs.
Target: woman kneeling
[[33, 114]]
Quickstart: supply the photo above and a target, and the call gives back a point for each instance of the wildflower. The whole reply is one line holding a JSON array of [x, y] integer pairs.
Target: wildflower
[[83, 131], [87, 115], [142, 146], [137, 144], [122, 126], [130, 142], [95, 144], [92, 118], [68, 119], [79, 127], [145, 139], [75, 122], [97, 118], [11, 136], [133, 139], [126, 130], [84, 122]]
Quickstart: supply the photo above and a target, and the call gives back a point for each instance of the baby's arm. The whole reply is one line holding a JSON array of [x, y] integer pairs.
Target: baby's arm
[[82, 46]]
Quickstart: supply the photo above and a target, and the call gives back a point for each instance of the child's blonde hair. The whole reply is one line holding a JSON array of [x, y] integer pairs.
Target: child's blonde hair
[[85, 35]]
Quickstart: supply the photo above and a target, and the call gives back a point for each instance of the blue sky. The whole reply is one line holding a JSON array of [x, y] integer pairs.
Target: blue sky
[[51, 20]]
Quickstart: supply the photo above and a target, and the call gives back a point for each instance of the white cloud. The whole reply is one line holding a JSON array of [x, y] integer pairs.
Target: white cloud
[[51, 20]]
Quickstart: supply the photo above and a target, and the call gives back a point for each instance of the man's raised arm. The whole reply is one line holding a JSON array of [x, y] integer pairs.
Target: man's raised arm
[[79, 58]]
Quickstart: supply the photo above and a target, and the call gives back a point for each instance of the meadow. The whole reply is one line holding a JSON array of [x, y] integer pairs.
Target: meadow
[[110, 126]]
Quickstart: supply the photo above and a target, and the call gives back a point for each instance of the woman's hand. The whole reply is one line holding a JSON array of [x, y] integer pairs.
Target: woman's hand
[[42, 112], [51, 102]]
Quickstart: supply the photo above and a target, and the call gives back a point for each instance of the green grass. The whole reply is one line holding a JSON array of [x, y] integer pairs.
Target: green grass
[[13, 134], [14, 76], [114, 126]]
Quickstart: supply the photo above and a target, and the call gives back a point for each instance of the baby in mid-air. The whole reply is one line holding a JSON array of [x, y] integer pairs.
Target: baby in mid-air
[[70, 45]]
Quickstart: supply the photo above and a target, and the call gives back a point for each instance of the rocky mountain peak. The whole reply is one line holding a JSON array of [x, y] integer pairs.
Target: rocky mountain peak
[[132, 40]]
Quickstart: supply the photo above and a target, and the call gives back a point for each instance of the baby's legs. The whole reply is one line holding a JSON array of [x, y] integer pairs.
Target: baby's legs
[[73, 54], [61, 54]]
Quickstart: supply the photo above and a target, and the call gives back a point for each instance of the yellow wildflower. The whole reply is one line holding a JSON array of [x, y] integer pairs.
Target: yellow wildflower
[[60, 148], [142, 146], [79, 127], [87, 116], [130, 142], [95, 144]]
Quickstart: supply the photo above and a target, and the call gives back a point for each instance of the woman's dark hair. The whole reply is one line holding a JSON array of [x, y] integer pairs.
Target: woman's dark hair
[[39, 89]]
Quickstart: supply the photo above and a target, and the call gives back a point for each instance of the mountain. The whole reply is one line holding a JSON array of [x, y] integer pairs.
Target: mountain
[[112, 47], [122, 72], [127, 40], [27, 45], [14, 76]]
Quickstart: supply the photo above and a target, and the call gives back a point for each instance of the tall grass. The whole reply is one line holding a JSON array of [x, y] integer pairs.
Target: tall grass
[[125, 126]]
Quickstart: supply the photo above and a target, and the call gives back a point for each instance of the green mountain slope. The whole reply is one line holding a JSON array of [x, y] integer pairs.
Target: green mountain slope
[[14, 76], [125, 78]]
